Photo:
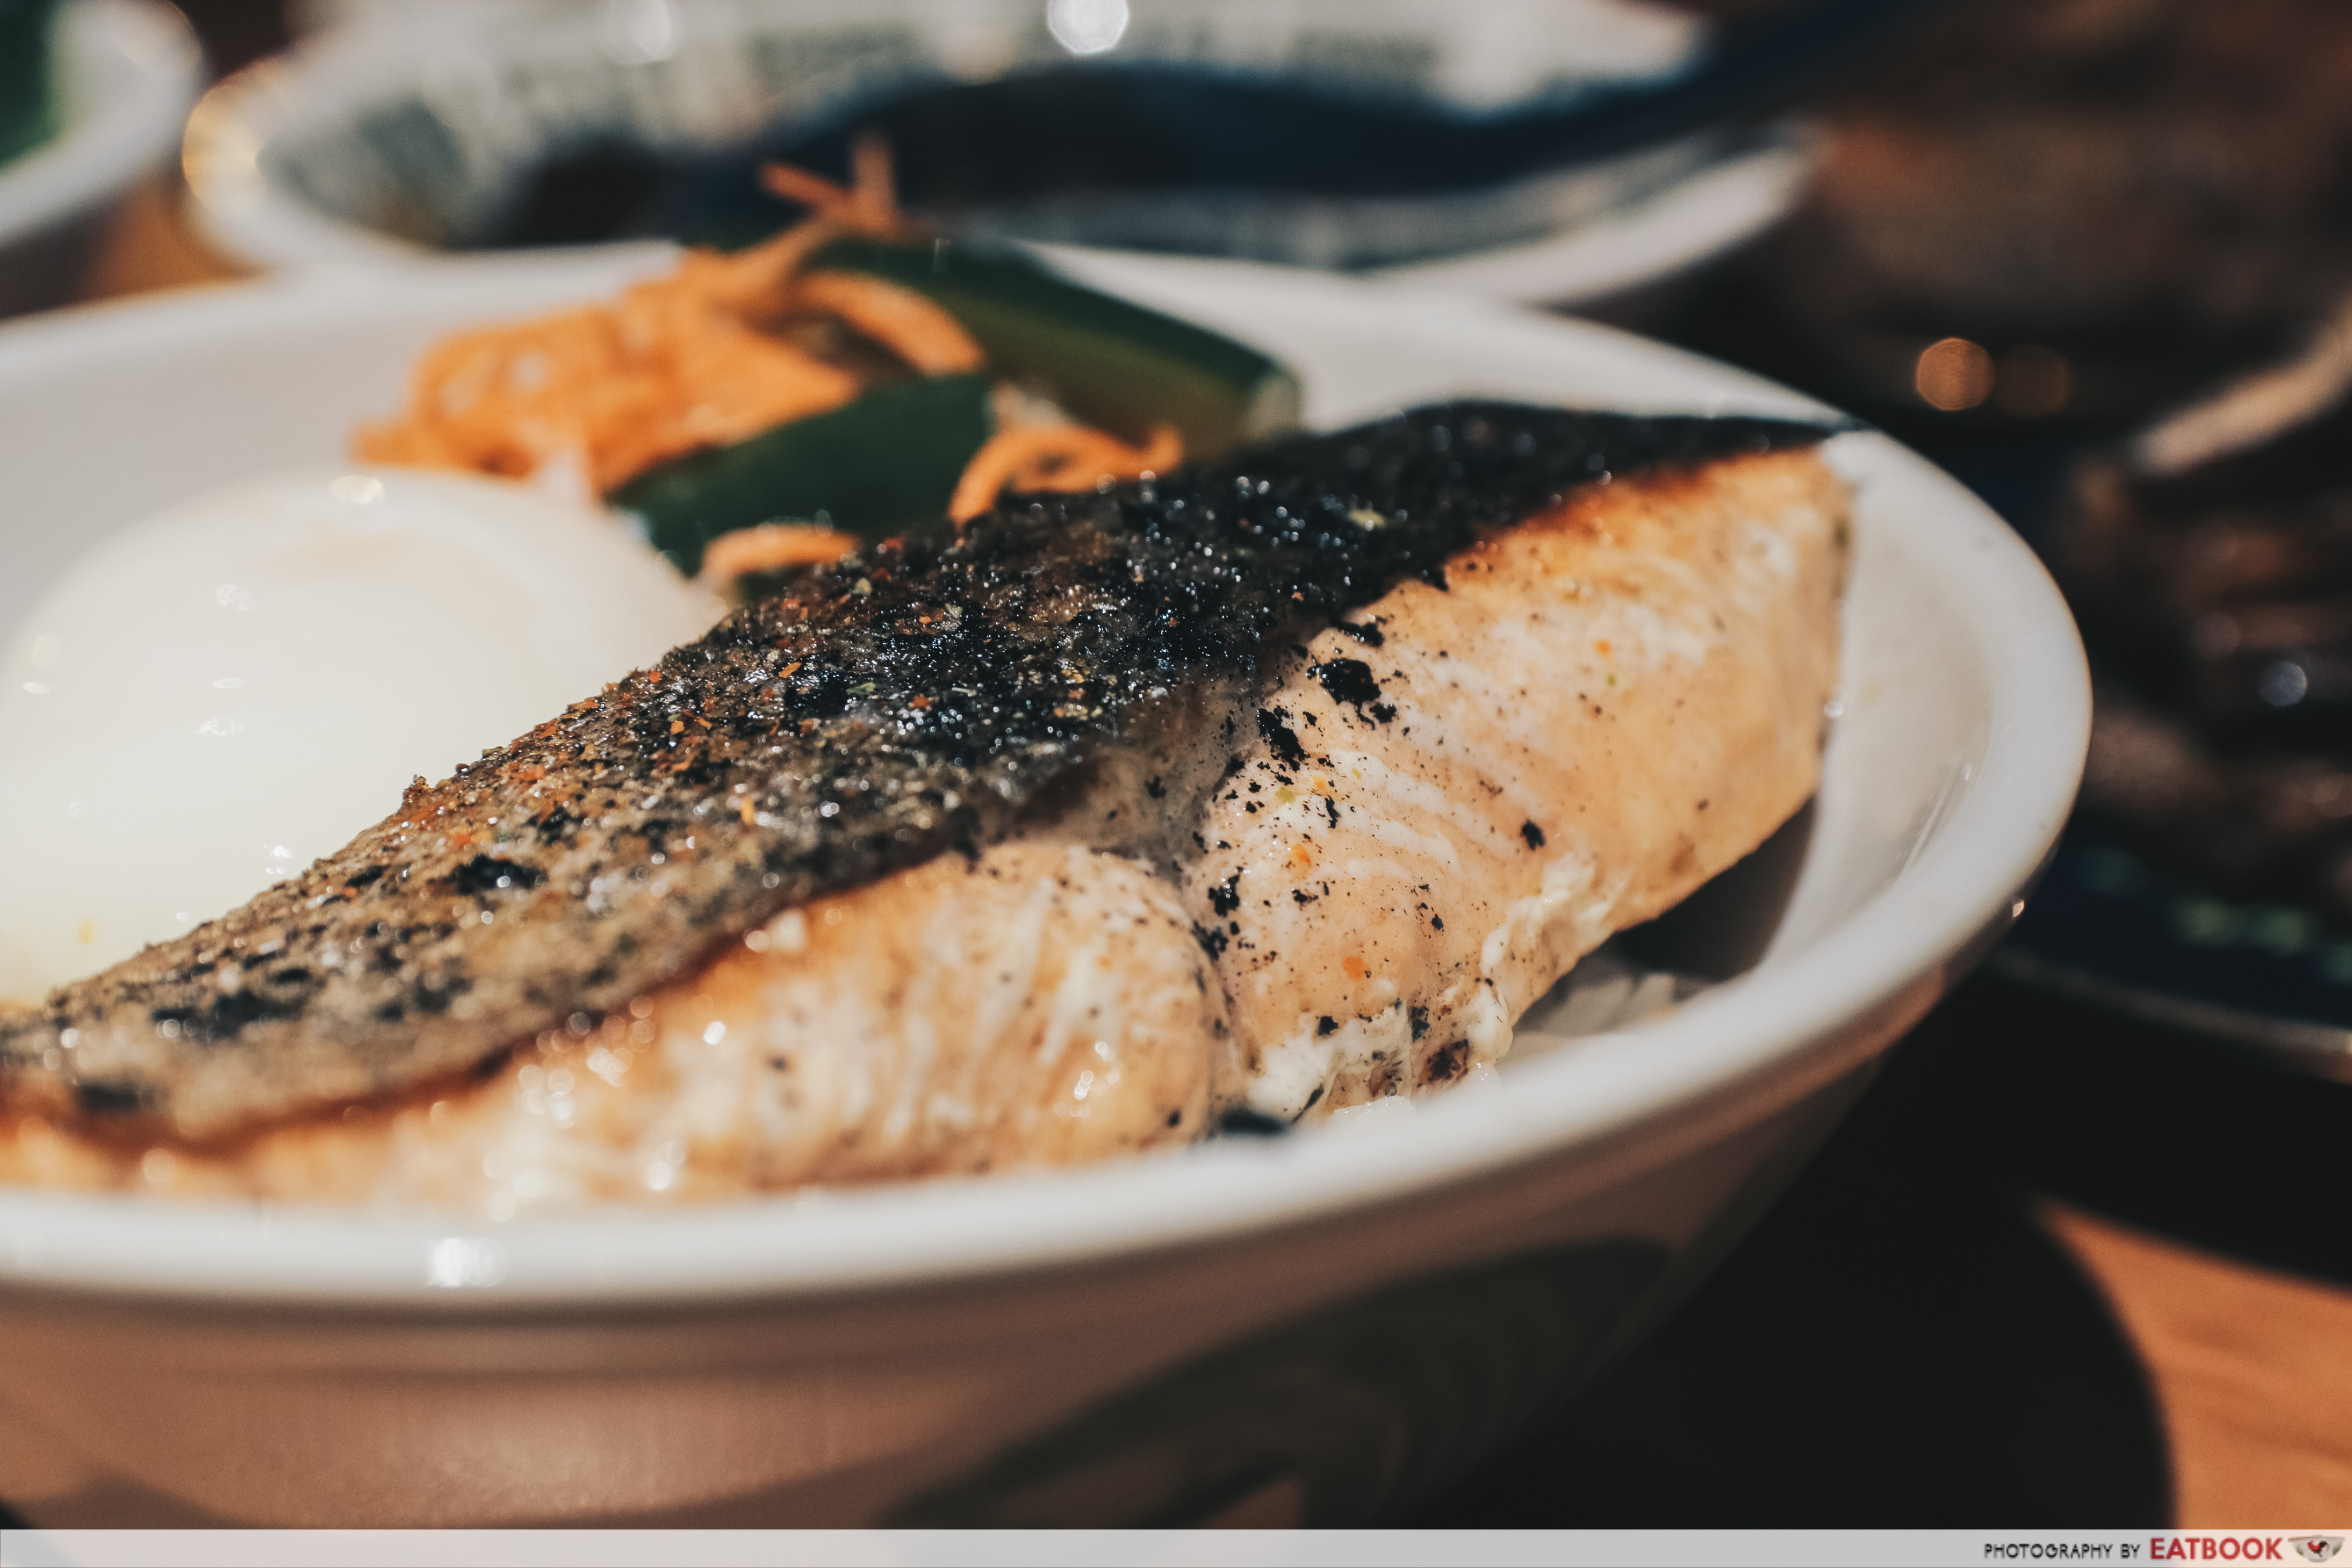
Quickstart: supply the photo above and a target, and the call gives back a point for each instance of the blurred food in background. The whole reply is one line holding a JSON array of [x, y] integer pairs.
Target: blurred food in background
[[1360, 134], [1325, 138], [2078, 210], [2096, 257], [2209, 560]]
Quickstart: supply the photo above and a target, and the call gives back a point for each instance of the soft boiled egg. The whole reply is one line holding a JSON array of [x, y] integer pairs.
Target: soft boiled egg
[[217, 696]]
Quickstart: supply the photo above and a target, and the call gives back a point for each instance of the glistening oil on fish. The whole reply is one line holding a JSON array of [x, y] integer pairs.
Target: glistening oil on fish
[[1091, 703]]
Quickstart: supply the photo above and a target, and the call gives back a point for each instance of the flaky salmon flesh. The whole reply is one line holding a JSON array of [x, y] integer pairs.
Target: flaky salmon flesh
[[1255, 790]]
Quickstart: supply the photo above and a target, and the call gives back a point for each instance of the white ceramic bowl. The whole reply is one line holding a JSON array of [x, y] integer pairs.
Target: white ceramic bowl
[[415, 122], [127, 72], [1103, 1345]]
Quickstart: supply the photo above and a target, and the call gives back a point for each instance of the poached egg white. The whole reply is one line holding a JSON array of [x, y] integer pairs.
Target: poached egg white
[[217, 696]]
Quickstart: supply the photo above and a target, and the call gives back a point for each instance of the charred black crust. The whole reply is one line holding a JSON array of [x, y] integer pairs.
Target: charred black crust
[[1447, 1063], [1274, 726], [1348, 680], [909, 702], [489, 874], [1226, 896], [1243, 1122]]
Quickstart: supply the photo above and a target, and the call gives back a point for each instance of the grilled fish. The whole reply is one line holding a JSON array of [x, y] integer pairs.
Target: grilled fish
[[1284, 782]]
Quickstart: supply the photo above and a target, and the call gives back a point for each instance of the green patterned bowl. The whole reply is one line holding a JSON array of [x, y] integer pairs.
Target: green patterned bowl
[[91, 103], [27, 85]]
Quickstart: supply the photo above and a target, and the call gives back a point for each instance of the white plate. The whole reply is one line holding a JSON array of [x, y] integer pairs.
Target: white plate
[[942, 1317]]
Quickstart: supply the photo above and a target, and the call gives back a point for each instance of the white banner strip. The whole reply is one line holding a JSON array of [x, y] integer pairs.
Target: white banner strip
[[1147, 1549]]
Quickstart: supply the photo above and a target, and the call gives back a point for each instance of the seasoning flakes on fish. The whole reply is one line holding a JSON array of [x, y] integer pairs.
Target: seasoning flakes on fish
[[1104, 660]]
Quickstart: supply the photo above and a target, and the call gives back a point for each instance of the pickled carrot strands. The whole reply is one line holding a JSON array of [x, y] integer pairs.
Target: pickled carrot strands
[[676, 365], [868, 205], [911, 326], [771, 547], [697, 359], [1057, 457], [665, 370]]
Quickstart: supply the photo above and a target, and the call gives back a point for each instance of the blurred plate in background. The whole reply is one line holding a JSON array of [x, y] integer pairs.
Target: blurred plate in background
[[1556, 152], [2108, 928], [124, 75]]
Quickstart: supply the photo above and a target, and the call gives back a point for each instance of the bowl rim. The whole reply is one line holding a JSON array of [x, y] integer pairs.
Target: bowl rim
[[1724, 202], [1644, 243], [1739, 1051], [142, 60]]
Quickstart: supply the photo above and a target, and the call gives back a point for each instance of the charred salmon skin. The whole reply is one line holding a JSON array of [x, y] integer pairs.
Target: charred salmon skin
[[1283, 783]]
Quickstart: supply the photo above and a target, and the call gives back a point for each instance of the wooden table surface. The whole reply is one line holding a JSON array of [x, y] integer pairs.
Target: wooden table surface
[[2241, 1334], [2252, 1369]]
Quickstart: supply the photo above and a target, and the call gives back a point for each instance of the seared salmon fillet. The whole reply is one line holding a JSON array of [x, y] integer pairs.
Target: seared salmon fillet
[[1287, 783], [1467, 788]]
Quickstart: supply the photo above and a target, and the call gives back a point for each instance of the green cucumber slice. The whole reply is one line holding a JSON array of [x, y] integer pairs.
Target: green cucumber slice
[[887, 461], [890, 459], [1112, 364]]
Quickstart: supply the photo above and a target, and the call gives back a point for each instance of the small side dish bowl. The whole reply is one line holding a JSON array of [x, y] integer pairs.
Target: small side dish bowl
[[127, 71], [1329, 1325]]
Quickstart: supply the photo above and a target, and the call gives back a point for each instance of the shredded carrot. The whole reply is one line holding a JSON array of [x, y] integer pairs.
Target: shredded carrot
[[677, 363], [771, 547], [712, 354], [671, 366], [1057, 457], [909, 325], [867, 205], [814, 192]]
